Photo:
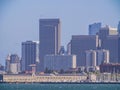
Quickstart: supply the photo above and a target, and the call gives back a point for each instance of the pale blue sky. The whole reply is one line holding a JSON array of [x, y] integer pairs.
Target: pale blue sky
[[19, 19]]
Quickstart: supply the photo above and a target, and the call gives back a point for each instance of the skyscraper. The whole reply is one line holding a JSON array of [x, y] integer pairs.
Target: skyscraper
[[106, 31], [30, 54], [49, 37], [94, 28], [110, 41]]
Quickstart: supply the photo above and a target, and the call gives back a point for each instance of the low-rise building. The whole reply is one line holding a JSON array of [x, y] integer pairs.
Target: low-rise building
[[59, 62], [110, 68]]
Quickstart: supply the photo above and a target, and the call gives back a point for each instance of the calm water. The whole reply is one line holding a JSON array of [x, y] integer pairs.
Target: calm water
[[59, 86]]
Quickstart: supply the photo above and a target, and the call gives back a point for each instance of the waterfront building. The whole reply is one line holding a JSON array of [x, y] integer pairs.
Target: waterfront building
[[81, 43], [49, 37], [94, 28], [59, 62], [13, 64], [60, 78], [110, 68], [30, 54]]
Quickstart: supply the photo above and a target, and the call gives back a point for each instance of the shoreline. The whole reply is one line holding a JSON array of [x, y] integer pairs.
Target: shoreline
[[59, 79], [60, 82]]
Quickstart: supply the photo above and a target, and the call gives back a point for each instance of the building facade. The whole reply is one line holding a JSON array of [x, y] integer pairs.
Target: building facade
[[49, 37], [94, 28], [13, 65], [96, 57], [110, 68], [90, 58], [81, 43], [60, 62], [106, 31], [30, 54], [112, 43]]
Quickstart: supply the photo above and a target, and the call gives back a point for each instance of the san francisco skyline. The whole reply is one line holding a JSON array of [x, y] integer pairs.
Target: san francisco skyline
[[20, 19]]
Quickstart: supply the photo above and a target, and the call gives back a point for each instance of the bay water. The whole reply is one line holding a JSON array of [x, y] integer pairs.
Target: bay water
[[37, 86]]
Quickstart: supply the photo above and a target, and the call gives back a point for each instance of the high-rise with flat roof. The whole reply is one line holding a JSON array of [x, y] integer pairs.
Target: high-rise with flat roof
[[94, 28], [49, 37], [30, 54], [106, 31], [81, 43]]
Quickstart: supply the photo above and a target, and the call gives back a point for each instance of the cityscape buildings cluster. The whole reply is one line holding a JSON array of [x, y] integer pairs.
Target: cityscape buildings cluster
[[101, 45], [13, 64]]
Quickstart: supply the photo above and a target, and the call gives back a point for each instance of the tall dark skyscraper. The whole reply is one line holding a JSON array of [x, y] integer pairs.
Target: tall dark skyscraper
[[49, 37], [30, 54]]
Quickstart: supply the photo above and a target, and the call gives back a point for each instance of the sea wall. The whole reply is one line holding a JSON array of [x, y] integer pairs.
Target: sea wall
[[44, 78]]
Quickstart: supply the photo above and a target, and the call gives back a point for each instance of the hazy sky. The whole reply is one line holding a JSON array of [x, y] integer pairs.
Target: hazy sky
[[19, 19]]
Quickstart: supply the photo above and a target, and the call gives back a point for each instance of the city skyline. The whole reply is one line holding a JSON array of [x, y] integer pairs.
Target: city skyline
[[16, 28]]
